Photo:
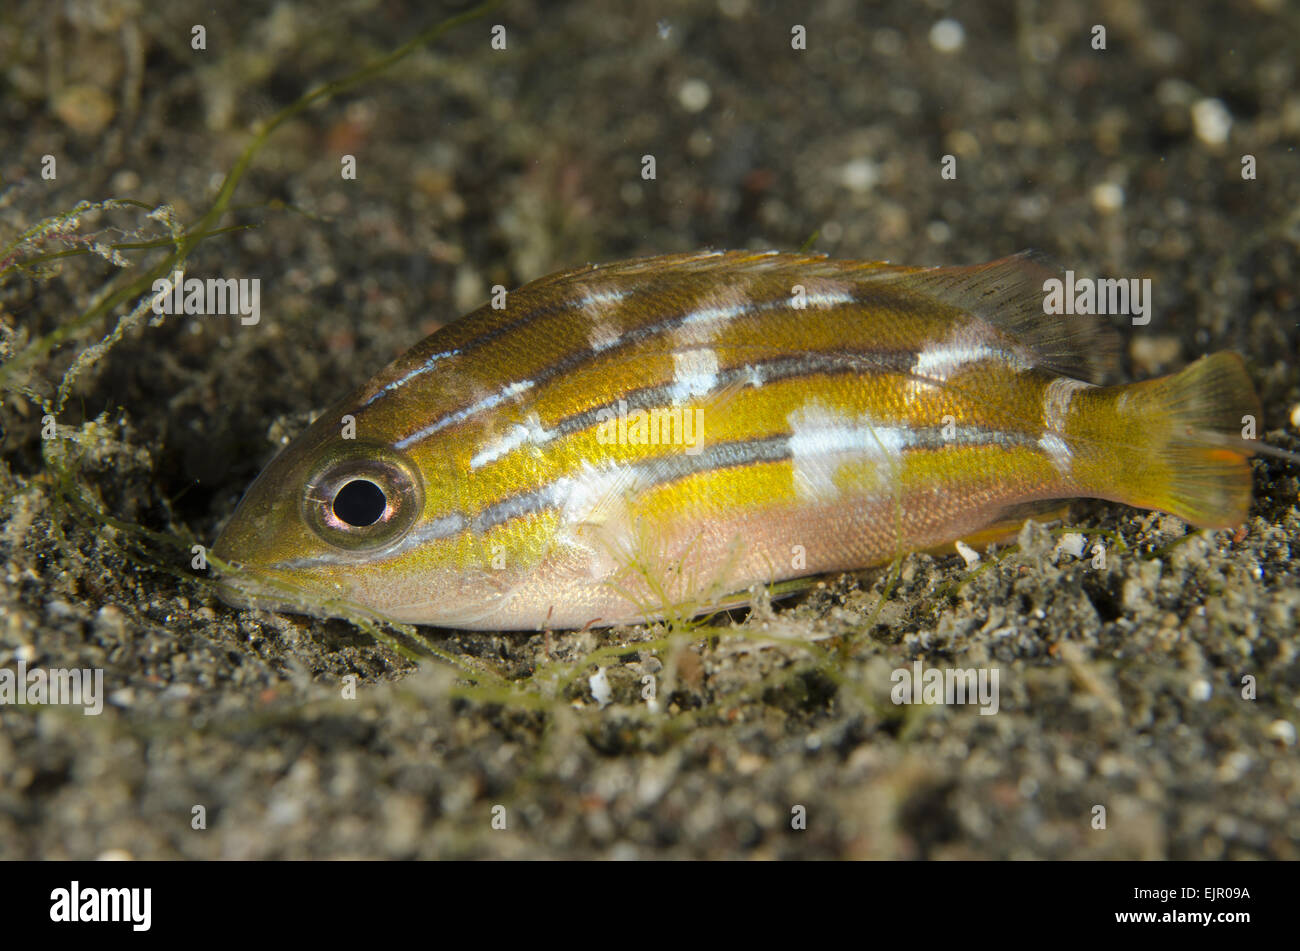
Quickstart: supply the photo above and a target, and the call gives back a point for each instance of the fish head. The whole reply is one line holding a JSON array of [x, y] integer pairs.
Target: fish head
[[347, 518]]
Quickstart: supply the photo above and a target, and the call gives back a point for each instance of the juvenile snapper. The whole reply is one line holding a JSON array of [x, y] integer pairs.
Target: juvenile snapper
[[675, 430]]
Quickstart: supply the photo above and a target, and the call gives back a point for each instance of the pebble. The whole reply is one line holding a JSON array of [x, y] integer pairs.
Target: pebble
[[947, 36], [60, 609], [694, 95], [122, 698], [1212, 121], [1283, 731], [600, 689], [1072, 544], [859, 175], [1154, 354], [1107, 197], [85, 109], [968, 554], [1234, 766]]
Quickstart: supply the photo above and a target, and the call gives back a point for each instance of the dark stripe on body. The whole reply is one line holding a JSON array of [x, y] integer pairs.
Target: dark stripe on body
[[631, 338], [662, 470]]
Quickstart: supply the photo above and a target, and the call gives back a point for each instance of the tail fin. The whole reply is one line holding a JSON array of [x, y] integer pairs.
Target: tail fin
[[1197, 464]]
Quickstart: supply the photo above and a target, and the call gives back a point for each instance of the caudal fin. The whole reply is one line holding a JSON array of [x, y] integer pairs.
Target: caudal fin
[[1197, 464]]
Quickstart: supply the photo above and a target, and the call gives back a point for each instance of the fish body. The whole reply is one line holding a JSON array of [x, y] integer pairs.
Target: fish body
[[613, 443]]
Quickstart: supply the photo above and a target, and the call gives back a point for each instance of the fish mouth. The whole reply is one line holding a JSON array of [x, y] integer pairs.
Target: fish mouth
[[243, 599], [251, 585], [244, 578], [249, 589], [240, 586], [248, 585]]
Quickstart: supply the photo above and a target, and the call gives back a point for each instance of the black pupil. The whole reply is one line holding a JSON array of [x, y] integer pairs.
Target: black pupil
[[360, 503]]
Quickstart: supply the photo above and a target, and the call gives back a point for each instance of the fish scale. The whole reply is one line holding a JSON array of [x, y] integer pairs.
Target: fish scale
[[536, 466]]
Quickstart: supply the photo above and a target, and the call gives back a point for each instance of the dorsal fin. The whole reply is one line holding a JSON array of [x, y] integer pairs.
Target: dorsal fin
[[1008, 295]]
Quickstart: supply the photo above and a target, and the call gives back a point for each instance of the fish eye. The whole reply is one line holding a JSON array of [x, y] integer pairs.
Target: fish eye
[[360, 503], [363, 498]]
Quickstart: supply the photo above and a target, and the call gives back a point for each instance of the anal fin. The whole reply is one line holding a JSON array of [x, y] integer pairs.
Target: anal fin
[[1008, 525]]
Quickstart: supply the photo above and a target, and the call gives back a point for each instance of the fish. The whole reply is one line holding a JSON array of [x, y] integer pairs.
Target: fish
[[625, 442]]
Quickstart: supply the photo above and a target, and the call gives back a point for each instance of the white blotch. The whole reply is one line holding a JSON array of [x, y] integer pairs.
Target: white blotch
[[712, 313], [531, 432], [595, 516], [822, 440], [933, 365], [488, 402], [598, 299], [695, 373], [718, 314], [1057, 451], [594, 494], [1056, 402], [966, 344], [702, 325], [968, 554], [602, 337], [831, 297]]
